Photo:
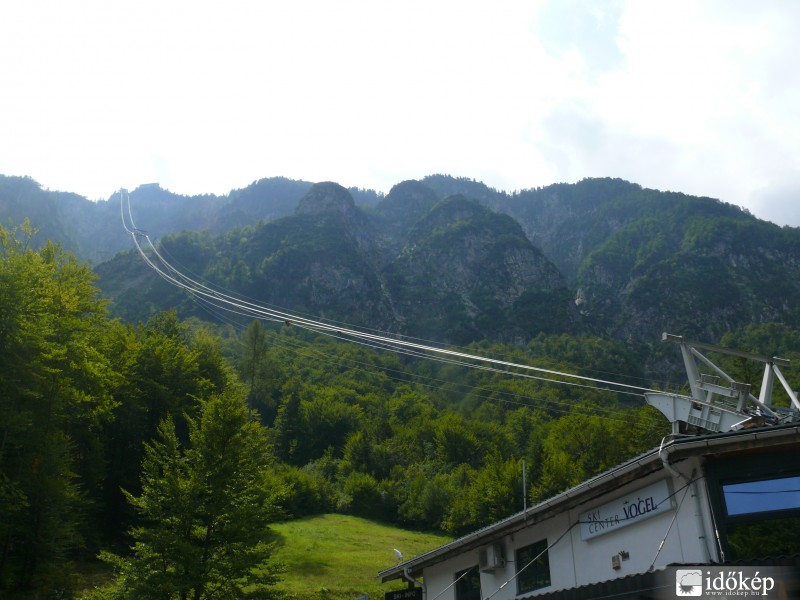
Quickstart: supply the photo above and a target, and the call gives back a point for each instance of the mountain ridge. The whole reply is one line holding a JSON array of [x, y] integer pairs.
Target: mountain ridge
[[455, 259]]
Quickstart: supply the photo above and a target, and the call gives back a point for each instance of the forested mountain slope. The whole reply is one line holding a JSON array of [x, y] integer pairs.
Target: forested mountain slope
[[474, 270], [463, 273], [641, 261], [603, 256], [92, 229]]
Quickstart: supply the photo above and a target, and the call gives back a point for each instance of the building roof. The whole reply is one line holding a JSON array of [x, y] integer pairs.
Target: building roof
[[642, 465]]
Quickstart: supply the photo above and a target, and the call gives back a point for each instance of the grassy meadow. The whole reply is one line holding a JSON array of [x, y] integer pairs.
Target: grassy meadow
[[337, 557]]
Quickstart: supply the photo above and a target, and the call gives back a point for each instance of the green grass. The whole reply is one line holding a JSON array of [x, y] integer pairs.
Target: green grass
[[337, 557], [327, 557]]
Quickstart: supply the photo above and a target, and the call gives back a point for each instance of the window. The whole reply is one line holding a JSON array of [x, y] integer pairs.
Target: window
[[762, 496], [763, 517], [468, 584], [756, 540], [757, 503], [533, 567]]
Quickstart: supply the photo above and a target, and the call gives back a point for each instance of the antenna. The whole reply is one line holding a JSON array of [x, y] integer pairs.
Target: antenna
[[524, 488]]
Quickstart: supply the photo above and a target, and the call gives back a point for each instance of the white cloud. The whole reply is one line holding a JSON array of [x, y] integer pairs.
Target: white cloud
[[207, 96], [780, 200], [699, 103]]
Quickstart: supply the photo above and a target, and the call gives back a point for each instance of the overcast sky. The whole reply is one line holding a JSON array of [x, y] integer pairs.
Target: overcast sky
[[700, 97]]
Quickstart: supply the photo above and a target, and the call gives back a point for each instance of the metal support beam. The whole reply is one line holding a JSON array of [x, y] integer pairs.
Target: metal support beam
[[715, 407], [678, 339]]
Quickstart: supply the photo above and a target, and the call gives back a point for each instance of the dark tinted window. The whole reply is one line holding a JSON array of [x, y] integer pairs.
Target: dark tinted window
[[468, 584], [533, 567], [763, 538]]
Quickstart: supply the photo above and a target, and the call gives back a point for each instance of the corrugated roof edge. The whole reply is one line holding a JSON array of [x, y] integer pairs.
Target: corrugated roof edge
[[634, 585]]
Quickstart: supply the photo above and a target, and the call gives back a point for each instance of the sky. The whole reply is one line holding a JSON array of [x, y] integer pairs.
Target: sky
[[693, 96]]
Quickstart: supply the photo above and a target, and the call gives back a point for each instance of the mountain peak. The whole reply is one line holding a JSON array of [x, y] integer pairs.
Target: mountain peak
[[326, 197]]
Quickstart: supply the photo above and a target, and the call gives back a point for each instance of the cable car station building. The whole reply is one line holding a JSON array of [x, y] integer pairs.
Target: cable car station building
[[723, 489]]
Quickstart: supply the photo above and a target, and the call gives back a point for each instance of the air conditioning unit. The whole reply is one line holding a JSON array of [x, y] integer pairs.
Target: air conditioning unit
[[491, 558]]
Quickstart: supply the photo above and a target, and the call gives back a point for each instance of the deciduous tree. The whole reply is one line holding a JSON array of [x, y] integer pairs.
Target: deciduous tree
[[55, 393]]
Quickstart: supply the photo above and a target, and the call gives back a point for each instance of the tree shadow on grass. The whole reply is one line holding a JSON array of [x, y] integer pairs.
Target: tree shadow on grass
[[276, 537], [301, 568]]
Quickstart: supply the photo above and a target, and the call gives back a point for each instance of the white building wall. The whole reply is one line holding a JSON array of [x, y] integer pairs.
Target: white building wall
[[575, 561], [562, 573], [442, 575], [679, 528]]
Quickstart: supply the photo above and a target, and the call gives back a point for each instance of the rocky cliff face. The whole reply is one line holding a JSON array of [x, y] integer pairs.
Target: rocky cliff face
[[324, 260], [327, 199], [462, 273], [403, 207], [641, 262], [463, 258]]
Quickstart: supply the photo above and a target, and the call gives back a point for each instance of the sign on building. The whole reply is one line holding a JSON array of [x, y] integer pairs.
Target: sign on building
[[632, 508], [410, 594]]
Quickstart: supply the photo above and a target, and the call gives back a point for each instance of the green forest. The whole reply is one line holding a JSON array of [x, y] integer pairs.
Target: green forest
[[167, 448], [160, 446]]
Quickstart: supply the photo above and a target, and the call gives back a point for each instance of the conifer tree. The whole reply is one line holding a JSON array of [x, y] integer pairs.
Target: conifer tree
[[205, 510]]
